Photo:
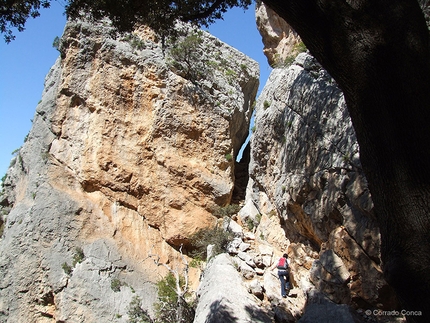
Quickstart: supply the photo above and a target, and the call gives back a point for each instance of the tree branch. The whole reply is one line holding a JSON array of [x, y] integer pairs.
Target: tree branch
[[203, 14]]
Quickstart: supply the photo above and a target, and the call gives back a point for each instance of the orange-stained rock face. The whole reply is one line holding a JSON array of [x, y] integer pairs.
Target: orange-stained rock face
[[146, 138], [279, 39]]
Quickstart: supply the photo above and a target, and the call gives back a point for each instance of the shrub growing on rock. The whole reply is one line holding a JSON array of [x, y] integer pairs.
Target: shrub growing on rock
[[136, 314], [215, 236], [172, 306]]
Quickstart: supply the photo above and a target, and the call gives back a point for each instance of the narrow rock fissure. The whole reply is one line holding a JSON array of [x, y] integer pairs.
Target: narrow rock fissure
[[241, 175]]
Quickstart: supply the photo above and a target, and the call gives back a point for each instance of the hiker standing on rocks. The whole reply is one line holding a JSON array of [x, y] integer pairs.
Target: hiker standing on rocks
[[283, 274]]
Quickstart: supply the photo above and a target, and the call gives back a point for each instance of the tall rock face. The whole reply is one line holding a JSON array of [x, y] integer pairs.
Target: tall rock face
[[279, 39], [306, 178], [124, 162]]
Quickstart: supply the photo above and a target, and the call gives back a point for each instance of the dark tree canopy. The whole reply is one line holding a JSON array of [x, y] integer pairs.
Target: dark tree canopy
[[14, 14], [125, 14], [160, 15]]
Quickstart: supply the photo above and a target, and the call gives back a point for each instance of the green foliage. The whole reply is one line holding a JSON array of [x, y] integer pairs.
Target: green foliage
[[229, 157], [14, 14], [78, 257], [135, 41], [190, 57], [300, 47], [171, 303], [115, 285], [284, 140], [167, 288], [136, 314], [266, 104], [215, 236], [67, 268], [196, 262], [160, 16], [228, 210], [186, 58], [252, 223], [56, 45], [230, 75], [258, 218]]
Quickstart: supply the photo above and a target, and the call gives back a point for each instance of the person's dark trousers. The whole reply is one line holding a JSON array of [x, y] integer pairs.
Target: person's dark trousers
[[283, 277]]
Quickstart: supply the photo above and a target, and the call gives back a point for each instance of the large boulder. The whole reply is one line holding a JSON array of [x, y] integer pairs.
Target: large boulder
[[223, 297]]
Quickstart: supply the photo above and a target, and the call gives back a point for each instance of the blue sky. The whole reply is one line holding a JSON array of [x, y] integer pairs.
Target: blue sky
[[25, 62]]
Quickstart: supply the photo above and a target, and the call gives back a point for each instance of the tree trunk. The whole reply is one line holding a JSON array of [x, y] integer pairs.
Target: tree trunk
[[378, 53]]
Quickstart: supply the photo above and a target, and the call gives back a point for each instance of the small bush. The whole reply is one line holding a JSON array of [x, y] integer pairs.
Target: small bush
[[228, 210], [196, 262], [230, 75], [300, 47], [229, 157], [186, 58], [136, 314], [266, 104], [67, 268], [250, 224], [167, 288], [135, 42], [258, 218], [56, 43], [116, 284], [170, 303], [211, 236], [78, 257]]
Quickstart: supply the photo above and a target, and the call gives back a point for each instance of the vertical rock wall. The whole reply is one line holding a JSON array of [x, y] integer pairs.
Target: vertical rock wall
[[124, 162], [306, 178]]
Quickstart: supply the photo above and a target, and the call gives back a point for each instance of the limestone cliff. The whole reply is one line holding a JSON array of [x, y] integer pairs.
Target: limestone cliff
[[307, 196], [125, 160], [306, 178]]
